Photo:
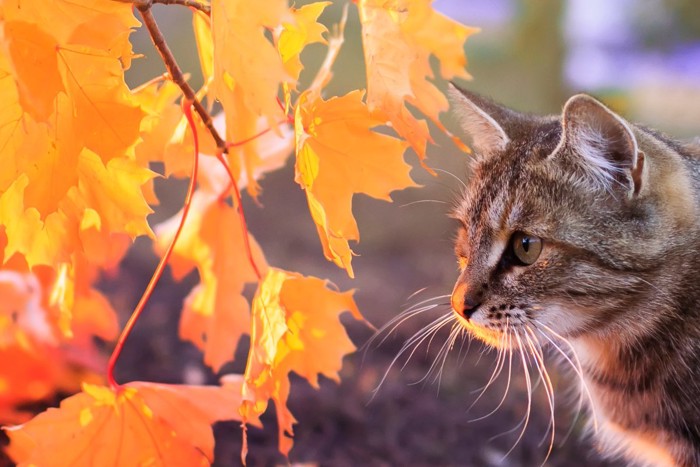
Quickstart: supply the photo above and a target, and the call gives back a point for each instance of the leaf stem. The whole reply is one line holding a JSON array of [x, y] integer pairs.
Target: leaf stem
[[175, 71], [138, 311], [241, 214]]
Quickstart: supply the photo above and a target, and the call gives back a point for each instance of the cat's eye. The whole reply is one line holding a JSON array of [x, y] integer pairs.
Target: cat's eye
[[526, 248]]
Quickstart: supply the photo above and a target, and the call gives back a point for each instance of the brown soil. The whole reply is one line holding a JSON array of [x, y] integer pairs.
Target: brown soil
[[403, 422]]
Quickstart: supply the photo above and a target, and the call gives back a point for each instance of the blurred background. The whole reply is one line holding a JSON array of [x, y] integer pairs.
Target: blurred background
[[643, 58]]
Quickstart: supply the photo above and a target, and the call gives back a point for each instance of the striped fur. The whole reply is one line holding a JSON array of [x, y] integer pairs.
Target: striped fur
[[619, 275]]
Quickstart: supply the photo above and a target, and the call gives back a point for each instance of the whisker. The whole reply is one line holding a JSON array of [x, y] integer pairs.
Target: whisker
[[548, 387], [500, 362], [526, 372], [388, 328], [464, 185], [428, 300], [443, 349], [421, 336], [579, 404], [436, 201], [415, 342], [456, 328], [576, 367], [466, 337]]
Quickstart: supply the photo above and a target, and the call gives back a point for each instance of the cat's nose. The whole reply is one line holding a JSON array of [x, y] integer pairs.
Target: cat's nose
[[464, 300]]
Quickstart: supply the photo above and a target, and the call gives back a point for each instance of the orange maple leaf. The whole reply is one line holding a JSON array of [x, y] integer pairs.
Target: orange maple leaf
[[165, 132], [42, 359], [295, 327], [66, 129], [398, 37], [216, 314], [138, 424], [338, 155]]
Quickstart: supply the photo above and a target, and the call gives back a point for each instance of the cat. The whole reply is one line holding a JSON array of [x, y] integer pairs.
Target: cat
[[582, 232]]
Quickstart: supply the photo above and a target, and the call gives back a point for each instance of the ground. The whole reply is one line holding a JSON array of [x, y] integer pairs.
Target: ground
[[355, 423]]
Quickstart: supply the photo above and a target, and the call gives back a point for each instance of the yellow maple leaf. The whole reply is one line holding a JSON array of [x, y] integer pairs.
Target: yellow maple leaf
[[296, 328], [99, 24], [337, 155], [398, 37], [201, 24], [134, 425], [298, 33], [247, 81]]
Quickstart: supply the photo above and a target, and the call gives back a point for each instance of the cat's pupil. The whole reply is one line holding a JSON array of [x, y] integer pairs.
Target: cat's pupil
[[526, 244]]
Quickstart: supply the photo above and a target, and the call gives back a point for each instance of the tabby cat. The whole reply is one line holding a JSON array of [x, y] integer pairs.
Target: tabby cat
[[582, 232]]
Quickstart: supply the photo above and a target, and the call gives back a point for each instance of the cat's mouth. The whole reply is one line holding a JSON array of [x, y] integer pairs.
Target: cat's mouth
[[495, 337]]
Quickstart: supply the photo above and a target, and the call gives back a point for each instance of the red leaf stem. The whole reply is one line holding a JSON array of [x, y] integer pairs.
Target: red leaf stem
[[138, 311], [241, 213]]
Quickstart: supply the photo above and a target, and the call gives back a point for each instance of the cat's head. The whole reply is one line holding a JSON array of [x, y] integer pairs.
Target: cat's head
[[565, 220]]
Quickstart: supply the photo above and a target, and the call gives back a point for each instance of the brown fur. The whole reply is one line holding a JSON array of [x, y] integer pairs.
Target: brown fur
[[617, 207]]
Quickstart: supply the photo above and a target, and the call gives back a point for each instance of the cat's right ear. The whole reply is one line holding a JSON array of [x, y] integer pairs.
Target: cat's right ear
[[604, 144], [479, 118]]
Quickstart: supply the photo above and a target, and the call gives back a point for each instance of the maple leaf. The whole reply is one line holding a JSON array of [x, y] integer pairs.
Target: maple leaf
[[31, 338], [296, 328], [398, 37], [162, 116], [99, 24], [338, 155], [246, 82], [216, 314], [295, 35], [53, 125], [138, 424], [201, 25], [32, 49]]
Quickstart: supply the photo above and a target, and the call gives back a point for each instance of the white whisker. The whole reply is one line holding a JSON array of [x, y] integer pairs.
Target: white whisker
[[436, 201], [500, 362], [420, 337], [575, 366], [548, 387], [526, 372], [461, 182], [415, 342]]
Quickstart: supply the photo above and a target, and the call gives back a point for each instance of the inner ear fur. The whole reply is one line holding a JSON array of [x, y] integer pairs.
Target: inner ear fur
[[483, 120], [603, 143]]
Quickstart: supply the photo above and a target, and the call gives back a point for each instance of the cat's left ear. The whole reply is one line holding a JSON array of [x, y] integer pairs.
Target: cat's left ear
[[603, 144]]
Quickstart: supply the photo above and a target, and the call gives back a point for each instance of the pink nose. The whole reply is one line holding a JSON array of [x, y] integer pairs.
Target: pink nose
[[463, 303]]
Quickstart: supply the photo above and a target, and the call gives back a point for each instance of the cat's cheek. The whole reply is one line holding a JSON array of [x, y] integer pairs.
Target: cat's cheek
[[563, 319]]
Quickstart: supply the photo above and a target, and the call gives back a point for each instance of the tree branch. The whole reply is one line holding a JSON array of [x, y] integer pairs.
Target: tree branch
[[206, 9], [175, 71]]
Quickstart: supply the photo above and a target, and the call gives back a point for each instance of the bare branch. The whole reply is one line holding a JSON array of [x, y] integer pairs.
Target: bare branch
[[206, 9], [175, 71]]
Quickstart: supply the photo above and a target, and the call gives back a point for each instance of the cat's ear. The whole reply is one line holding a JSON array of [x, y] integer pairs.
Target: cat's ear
[[603, 144], [480, 118]]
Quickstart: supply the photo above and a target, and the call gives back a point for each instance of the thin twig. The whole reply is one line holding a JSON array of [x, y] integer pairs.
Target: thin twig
[[206, 9], [176, 73]]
